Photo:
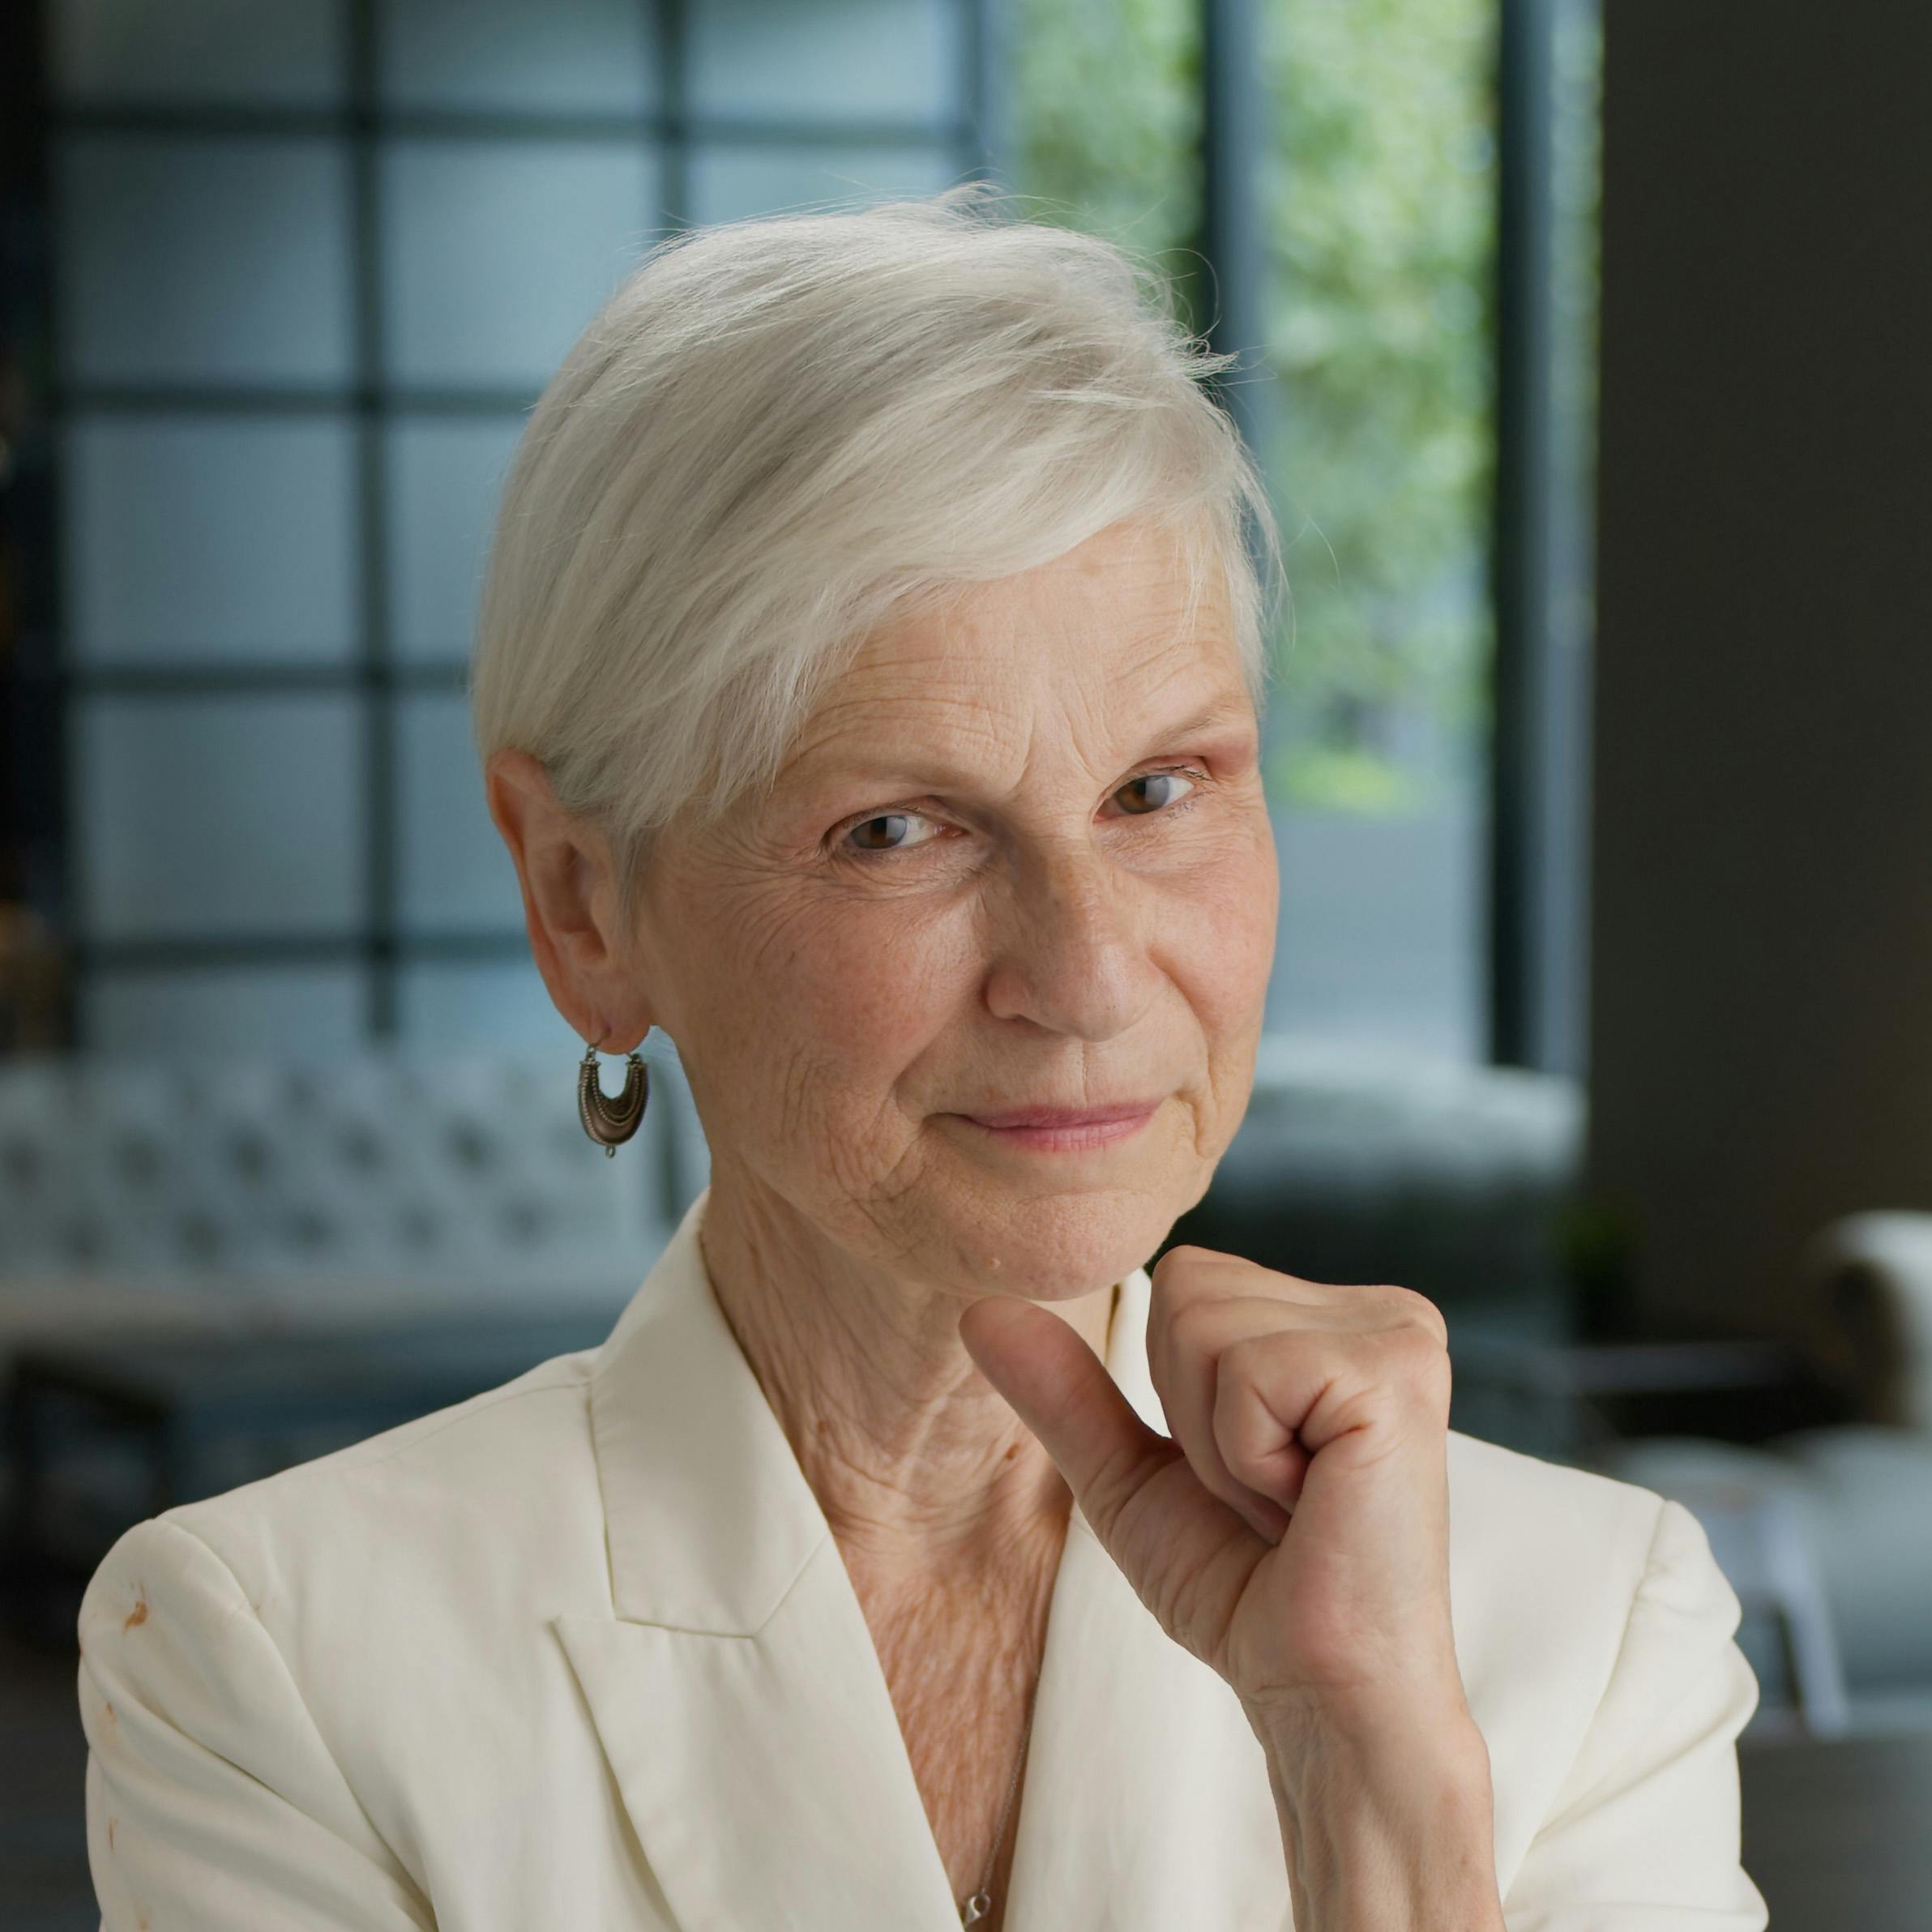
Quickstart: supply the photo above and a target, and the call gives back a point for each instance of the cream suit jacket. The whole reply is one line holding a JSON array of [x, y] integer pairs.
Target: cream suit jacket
[[581, 1652]]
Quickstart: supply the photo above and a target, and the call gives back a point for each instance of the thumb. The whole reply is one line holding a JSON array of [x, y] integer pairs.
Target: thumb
[[1060, 1390]]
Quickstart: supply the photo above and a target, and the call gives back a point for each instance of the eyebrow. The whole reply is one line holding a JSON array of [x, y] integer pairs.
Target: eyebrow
[[861, 764]]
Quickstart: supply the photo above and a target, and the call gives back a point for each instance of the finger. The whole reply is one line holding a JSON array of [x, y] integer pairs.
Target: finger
[[1060, 1390], [1185, 1351], [1187, 1555], [1203, 1302], [1316, 1389], [1258, 1447]]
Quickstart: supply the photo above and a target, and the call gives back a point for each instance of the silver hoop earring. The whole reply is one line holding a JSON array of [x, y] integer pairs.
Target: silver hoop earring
[[611, 1119]]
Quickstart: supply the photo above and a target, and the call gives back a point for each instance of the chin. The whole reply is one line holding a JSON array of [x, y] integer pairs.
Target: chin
[[1056, 1247]]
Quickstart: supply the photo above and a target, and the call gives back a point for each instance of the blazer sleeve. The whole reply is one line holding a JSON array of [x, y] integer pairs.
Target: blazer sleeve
[[213, 1802], [1644, 1833]]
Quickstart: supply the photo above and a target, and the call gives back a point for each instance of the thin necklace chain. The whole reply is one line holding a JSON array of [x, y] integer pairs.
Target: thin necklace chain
[[974, 1909]]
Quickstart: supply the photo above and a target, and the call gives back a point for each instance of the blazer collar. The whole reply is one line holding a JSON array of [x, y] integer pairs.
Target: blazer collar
[[740, 1702], [709, 1518]]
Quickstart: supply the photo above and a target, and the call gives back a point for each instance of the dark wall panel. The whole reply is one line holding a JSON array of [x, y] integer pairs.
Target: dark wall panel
[[1761, 970]]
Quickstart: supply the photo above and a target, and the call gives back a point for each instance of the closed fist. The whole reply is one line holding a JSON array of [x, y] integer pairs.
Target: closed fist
[[1294, 1534]]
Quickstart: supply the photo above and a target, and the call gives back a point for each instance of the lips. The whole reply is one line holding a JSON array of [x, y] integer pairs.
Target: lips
[[1064, 1116]]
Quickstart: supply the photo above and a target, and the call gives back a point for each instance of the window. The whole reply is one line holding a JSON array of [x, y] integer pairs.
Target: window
[[1323, 177], [309, 265]]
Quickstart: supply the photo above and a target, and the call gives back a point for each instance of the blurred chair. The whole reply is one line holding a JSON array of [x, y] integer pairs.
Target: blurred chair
[[1851, 1501], [1757, 1536], [1869, 1326]]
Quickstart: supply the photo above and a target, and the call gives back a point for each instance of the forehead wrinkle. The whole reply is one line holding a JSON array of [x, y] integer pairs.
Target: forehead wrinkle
[[847, 733], [966, 699]]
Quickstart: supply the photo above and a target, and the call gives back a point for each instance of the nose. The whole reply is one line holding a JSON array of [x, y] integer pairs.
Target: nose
[[1070, 953]]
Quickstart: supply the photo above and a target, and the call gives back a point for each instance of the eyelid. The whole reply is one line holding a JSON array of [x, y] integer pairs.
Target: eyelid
[[888, 811]]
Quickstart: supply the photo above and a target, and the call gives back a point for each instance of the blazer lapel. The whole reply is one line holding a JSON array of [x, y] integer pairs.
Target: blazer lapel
[[736, 1689], [1146, 1804], [742, 1706]]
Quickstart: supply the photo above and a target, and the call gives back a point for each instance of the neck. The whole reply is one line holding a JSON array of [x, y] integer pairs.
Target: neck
[[919, 1465]]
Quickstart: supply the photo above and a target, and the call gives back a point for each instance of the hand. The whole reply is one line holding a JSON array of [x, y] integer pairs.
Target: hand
[[1294, 1533]]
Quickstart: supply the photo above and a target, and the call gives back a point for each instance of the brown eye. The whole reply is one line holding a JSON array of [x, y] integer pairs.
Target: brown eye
[[1157, 778], [861, 834]]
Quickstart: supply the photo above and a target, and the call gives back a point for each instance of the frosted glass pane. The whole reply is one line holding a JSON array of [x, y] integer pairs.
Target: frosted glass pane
[[1381, 937], [443, 1003], [209, 261], [303, 1011], [728, 184], [204, 539], [497, 255], [456, 872], [586, 55], [291, 52], [213, 816], [445, 475], [828, 60]]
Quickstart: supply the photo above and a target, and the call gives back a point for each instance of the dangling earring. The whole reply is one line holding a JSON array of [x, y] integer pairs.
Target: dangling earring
[[608, 1119]]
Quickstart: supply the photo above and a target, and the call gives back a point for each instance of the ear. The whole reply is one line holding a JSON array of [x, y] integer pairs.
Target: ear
[[564, 870]]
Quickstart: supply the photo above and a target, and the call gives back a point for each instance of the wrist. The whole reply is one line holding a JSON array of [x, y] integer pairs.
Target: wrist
[[1383, 1829], [1399, 1721]]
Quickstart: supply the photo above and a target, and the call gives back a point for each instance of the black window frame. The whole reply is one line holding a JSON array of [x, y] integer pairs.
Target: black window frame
[[1534, 890]]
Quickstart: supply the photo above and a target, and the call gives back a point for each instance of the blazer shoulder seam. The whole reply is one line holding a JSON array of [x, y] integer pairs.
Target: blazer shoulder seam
[[481, 1405]]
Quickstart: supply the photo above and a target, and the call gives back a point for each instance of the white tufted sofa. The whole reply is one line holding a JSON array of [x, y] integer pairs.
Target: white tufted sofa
[[250, 1193]]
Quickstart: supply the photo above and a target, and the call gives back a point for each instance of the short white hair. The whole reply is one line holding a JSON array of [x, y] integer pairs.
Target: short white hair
[[781, 432]]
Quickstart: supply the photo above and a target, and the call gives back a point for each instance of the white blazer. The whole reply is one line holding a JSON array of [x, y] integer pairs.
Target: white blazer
[[581, 1653]]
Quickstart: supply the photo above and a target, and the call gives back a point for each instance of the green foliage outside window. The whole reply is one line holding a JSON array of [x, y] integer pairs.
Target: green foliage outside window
[[1377, 191], [1105, 107]]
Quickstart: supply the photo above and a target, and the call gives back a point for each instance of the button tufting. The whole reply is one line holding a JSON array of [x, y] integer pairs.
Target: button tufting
[[25, 1165], [523, 1221], [201, 1238], [251, 1153], [417, 1226], [140, 1161], [309, 1229]]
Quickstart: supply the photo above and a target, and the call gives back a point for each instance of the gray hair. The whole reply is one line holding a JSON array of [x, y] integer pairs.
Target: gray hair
[[778, 433]]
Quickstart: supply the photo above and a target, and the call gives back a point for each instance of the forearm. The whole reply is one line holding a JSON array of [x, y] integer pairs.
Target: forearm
[[1386, 1831]]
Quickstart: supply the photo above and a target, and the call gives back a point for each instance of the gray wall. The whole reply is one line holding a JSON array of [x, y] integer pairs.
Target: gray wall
[[1761, 1042]]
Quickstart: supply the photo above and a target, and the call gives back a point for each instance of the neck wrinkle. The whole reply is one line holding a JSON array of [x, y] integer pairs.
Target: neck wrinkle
[[919, 1465]]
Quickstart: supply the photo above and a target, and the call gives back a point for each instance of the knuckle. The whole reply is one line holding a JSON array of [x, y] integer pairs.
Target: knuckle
[[1183, 1318], [1240, 1361], [1186, 1266], [1178, 1261], [1415, 1307], [1110, 1488], [1243, 1449], [1423, 1360]]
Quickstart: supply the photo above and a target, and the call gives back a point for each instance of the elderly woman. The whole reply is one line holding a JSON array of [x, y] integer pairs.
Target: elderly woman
[[867, 686]]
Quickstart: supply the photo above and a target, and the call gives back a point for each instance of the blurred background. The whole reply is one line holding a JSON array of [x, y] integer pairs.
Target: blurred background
[[1586, 359]]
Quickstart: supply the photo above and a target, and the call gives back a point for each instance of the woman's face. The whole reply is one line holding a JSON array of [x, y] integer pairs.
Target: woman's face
[[1020, 856]]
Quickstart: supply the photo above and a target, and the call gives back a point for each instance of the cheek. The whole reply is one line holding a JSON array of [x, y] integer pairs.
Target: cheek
[[871, 982], [1230, 907], [809, 1014]]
